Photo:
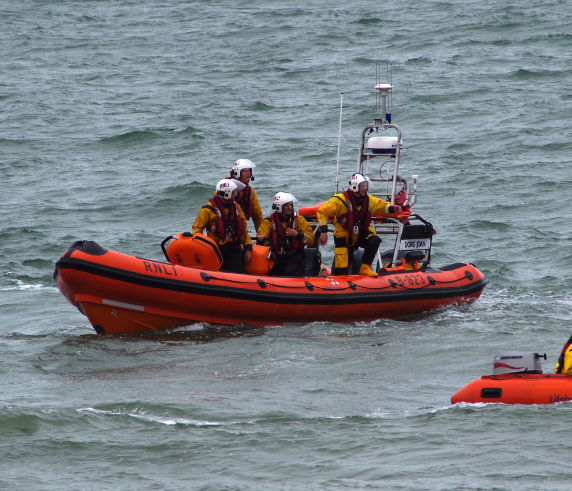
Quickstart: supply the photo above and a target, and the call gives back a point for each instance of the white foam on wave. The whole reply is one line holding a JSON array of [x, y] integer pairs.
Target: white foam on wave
[[475, 404], [20, 285], [378, 413], [152, 418]]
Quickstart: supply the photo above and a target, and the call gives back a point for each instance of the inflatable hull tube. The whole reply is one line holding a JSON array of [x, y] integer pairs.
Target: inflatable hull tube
[[309, 213], [121, 293], [517, 389]]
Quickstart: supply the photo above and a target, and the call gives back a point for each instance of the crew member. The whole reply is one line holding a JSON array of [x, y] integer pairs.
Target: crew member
[[352, 210], [287, 233], [242, 171], [564, 364], [226, 224]]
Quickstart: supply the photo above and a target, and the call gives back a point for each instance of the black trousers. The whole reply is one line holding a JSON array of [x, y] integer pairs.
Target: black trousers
[[289, 265], [233, 257], [370, 244]]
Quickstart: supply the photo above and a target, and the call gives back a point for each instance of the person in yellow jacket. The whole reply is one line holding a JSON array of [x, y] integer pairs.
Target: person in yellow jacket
[[564, 364], [226, 224], [246, 198], [287, 234], [352, 210]]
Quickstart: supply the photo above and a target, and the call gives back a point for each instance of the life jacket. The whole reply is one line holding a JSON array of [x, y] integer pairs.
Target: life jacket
[[560, 366], [225, 226], [244, 199], [280, 243], [353, 217]]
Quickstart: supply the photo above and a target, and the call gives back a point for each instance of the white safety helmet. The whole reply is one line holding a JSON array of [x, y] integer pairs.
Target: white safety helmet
[[225, 188], [282, 199], [241, 164], [357, 179]]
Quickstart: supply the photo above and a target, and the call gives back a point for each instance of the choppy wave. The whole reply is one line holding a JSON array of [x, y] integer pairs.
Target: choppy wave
[[119, 119], [26, 285], [148, 417]]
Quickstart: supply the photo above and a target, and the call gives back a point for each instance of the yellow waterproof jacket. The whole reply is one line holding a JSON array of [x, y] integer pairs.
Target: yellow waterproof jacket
[[206, 216], [257, 216], [567, 364], [301, 225], [336, 206]]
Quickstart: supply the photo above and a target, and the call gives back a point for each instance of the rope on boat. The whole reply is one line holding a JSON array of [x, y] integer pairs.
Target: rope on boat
[[351, 286]]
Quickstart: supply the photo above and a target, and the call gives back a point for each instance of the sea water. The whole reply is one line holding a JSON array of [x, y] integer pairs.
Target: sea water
[[117, 120]]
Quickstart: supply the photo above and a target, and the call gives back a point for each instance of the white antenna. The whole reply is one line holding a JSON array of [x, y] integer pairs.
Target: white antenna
[[377, 82], [390, 78], [339, 142], [384, 91]]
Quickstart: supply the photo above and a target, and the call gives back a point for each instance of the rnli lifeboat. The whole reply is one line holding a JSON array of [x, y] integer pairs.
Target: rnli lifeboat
[[120, 293], [517, 379]]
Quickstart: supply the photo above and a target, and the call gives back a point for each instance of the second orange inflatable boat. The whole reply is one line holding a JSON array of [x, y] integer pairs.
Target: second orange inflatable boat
[[517, 379]]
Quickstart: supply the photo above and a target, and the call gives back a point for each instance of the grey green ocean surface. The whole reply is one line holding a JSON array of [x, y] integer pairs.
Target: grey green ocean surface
[[118, 117]]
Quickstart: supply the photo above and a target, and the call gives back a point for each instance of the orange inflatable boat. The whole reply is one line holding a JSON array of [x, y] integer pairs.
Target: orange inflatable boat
[[120, 293], [518, 380], [517, 389]]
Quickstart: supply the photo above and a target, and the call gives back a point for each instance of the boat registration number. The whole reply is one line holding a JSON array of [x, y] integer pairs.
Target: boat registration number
[[414, 244]]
